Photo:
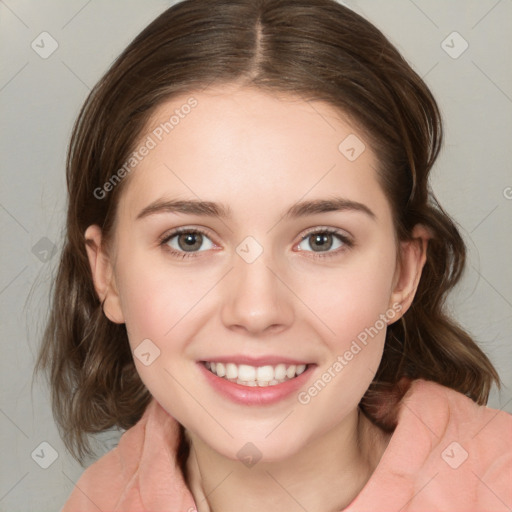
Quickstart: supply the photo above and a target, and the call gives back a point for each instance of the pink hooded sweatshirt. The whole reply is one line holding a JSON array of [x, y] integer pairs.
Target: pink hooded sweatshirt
[[446, 454]]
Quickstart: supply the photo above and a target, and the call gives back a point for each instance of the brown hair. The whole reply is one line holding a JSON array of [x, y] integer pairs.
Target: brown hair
[[319, 50]]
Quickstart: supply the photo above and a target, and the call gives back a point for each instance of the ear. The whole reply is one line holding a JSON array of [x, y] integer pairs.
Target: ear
[[408, 272], [102, 274]]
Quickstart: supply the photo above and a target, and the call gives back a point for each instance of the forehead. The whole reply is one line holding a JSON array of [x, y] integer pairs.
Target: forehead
[[252, 150]]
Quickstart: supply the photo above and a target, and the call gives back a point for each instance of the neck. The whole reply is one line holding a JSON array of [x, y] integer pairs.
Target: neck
[[325, 476]]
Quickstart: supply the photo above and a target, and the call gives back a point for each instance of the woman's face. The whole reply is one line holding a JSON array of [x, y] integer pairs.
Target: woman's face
[[295, 264]]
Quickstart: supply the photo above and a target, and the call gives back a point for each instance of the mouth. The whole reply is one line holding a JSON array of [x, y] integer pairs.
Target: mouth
[[255, 376], [251, 381]]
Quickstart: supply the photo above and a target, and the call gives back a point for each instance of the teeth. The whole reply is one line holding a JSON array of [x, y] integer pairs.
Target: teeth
[[265, 373], [252, 376], [290, 372], [231, 371], [246, 372], [220, 370], [280, 372]]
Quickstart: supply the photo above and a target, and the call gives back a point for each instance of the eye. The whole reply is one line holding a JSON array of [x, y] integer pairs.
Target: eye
[[185, 242], [324, 240]]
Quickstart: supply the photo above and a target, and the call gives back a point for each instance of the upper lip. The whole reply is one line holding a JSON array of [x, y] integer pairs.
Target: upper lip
[[255, 361]]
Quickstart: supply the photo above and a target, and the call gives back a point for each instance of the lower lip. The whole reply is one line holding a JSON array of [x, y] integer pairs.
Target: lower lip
[[248, 395]]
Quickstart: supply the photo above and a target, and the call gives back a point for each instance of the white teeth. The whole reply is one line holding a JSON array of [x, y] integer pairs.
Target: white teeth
[[253, 376], [246, 372], [231, 371], [290, 372], [280, 372], [220, 370], [265, 373]]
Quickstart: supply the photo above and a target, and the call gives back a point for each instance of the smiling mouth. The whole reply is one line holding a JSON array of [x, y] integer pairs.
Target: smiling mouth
[[255, 376]]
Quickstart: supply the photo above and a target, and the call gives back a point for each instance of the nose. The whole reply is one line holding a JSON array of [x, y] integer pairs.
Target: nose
[[257, 300]]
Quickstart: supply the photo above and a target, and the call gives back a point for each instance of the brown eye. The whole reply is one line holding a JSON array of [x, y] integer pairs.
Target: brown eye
[[185, 241], [322, 241], [190, 241], [325, 240]]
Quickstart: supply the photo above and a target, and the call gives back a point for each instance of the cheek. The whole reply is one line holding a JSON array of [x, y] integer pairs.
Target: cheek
[[153, 298], [352, 299], [158, 309], [355, 307]]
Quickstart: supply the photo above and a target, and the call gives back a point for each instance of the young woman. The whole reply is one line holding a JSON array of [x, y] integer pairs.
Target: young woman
[[254, 275]]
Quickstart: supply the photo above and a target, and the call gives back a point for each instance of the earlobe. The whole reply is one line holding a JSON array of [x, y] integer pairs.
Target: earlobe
[[102, 274], [413, 258]]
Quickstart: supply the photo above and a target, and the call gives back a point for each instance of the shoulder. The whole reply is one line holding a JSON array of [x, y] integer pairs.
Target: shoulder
[[447, 454], [466, 452], [453, 412], [106, 480]]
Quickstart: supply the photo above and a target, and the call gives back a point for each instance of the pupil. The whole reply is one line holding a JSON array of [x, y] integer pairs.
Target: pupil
[[191, 241], [322, 241]]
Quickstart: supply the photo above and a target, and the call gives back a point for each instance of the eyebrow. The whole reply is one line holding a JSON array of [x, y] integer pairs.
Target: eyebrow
[[212, 209]]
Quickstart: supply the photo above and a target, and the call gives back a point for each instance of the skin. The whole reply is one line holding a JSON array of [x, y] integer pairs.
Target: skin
[[259, 154]]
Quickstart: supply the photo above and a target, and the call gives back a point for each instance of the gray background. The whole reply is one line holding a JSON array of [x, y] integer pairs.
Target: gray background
[[40, 98]]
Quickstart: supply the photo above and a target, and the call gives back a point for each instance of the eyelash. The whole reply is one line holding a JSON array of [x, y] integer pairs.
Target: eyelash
[[347, 242], [169, 236]]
